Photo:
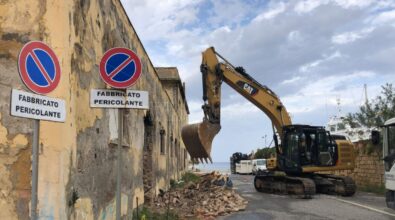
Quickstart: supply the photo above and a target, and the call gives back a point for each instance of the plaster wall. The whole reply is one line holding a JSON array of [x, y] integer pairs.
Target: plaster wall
[[77, 175]]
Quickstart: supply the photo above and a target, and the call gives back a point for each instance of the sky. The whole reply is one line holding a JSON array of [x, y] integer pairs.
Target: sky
[[310, 53]]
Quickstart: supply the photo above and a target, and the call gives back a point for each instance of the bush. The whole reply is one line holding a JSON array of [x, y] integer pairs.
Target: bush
[[186, 178], [146, 214], [173, 183], [190, 177]]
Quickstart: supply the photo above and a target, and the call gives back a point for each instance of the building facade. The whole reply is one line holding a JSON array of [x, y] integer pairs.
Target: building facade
[[77, 158]]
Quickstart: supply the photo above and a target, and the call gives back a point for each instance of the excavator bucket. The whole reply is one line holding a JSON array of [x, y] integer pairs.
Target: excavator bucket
[[198, 139]]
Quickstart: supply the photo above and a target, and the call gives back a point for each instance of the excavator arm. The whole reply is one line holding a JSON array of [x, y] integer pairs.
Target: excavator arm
[[303, 150], [198, 137]]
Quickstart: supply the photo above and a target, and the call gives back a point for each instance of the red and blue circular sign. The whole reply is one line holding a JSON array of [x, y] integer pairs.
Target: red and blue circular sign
[[39, 67], [120, 67]]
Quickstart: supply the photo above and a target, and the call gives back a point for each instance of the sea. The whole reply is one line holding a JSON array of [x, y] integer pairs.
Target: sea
[[222, 167]]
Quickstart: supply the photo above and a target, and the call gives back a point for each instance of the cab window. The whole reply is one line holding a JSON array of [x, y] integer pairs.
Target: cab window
[[260, 162], [293, 142], [391, 139], [323, 142]]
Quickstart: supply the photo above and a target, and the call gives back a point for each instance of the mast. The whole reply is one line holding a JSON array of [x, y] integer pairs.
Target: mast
[[365, 88]]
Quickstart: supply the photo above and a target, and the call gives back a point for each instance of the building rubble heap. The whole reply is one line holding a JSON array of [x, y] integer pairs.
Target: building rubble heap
[[211, 196]]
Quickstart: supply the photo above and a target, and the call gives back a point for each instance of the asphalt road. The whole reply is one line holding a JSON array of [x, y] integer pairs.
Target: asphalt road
[[366, 206]]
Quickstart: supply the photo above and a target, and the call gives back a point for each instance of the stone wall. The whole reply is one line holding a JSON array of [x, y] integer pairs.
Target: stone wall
[[77, 175], [369, 166]]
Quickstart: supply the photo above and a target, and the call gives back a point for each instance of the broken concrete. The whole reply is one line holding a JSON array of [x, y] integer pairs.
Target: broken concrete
[[206, 199]]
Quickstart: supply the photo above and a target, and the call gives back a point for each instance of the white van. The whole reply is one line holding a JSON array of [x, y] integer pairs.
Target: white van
[[244, 167], [258, 165]]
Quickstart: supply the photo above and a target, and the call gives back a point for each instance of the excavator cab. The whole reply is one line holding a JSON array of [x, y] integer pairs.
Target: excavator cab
[[306, 145]]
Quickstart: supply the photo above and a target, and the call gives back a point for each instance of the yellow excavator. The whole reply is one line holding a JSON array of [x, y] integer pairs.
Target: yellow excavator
[[303, 152]]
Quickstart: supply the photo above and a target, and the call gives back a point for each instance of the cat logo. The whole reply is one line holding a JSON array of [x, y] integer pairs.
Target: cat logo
[[247, 87]]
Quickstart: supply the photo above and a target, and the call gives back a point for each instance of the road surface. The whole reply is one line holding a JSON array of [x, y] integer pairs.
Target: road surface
[[262, 206]]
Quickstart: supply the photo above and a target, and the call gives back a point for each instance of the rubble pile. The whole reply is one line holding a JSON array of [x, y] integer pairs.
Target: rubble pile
[[207, 198]]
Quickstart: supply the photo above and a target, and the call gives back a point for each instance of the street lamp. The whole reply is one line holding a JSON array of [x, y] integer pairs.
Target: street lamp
[[265, 139]]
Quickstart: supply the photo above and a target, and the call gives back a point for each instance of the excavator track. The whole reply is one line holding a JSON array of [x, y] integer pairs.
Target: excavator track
[[270, 183], [335, 185]]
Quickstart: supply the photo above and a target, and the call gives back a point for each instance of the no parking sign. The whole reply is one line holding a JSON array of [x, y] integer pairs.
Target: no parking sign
[[39, 67], [40, 71], [120, 67]]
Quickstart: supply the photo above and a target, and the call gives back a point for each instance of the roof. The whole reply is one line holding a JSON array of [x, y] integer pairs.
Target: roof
[[299, 126], [390, 121], [170, 74]]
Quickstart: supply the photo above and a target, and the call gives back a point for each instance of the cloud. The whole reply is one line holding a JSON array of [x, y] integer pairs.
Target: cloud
[[272, 12], [320, 93], [387, 17], [238, 110], [155, 19], [351, 36], [196, 112], [292, 80], [309, 5], [307, 67], [309, 52]]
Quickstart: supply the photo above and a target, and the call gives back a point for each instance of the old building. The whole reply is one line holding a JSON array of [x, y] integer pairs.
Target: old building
[[77, 158], [176, 90]]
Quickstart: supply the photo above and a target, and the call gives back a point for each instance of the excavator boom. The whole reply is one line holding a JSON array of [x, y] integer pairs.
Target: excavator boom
[[198, 137]]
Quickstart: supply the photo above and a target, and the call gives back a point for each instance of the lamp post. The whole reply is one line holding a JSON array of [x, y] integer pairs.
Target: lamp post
[[265, 139]]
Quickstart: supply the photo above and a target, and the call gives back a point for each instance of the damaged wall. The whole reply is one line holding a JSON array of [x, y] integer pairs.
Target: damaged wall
[[77, 176], [171, 82]]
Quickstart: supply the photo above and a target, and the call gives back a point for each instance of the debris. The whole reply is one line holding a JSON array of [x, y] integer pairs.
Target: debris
[[206, 198]]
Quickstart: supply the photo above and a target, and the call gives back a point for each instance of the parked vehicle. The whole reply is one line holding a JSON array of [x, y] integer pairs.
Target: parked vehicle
[[244, 167], [258, 165], [235, 159], [388, 131]]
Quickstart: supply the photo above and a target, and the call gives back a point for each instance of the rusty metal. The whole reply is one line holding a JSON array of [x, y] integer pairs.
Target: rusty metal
[[198, 139]]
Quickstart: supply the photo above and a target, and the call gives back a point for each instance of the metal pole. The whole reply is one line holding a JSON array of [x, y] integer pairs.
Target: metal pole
[[119, 163], [36, 131]]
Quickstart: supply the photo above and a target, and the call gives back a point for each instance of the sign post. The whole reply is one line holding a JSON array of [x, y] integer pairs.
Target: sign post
[[119, 164], [119, 68], [39, 70], [36, 131]]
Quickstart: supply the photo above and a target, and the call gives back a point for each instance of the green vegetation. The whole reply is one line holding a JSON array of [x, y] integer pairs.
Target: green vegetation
[[147, 214], [190, 177], [265, 153], [374, 113], [186, 178], [373, 189]]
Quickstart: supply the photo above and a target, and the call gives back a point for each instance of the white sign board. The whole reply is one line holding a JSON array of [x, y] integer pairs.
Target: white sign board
[[106, 98], [29, 105]]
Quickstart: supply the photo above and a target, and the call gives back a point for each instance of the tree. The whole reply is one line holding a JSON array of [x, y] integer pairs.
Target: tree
[[264, 153], [376, 112]]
